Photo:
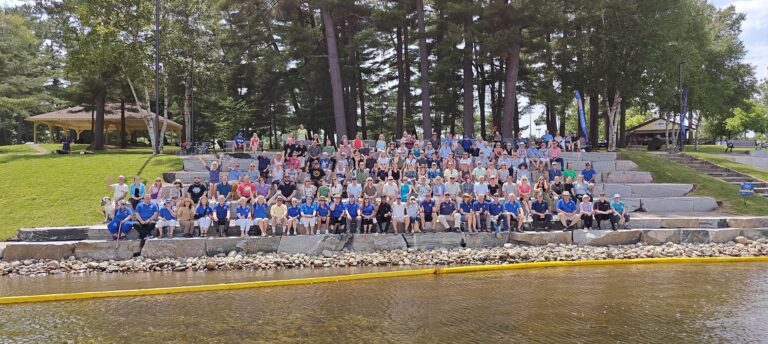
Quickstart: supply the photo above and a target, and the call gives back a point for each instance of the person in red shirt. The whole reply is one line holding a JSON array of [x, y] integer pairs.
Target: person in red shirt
[[357, 143], [246, 188]]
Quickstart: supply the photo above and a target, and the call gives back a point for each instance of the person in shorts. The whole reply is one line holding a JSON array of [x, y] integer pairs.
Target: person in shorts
[[243, 217], [368, 215], [166, 218], [279, 213], [294, 214], [427, 211], [323, 215], [221, 215], [309, 215], [398, 215], [260, 214]]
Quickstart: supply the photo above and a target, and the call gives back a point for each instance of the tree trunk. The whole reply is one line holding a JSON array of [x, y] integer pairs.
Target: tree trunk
[[468, 120], [164, 125], [594, 121], [400, 82], [123, 143], [98, 126], [612, 108], [407, 77], [666, 131], [188, 109], [361, 94], [499, 96], [492, 92], [510, 92], [623, 124], [562, 121], [516, 121], [335, 73], [426, 117], [481, 104]]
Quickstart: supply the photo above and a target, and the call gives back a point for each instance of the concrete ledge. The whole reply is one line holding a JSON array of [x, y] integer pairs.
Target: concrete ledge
[[755, 233], [694, 236], [35, 250], [214, 246], [480, 240], [748, 222], [2, 249], [540, 238], [627, 177], [606, 237], [428, 241], [107, 250], [312, 244], [660, 236], [53, 234], [373, 242], [723, 235], [588, 156], [160, 248], [645, 190], [255, 245], [679, 204]]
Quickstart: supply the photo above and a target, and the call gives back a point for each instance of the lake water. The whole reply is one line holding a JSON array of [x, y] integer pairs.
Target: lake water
[[680, 303]]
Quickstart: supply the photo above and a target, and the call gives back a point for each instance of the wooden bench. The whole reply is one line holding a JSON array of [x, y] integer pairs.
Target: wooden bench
[[731, 144]]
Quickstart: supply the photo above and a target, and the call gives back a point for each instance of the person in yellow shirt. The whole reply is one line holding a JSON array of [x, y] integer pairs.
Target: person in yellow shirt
[[279, 213], [301, 133]]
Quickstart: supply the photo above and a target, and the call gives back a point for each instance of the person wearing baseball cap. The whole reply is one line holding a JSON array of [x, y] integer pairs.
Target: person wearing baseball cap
[[567, 211], [620, 215], [323, 215], [121, 222]]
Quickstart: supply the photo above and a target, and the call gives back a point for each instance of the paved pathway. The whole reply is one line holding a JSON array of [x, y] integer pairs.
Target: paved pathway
[[40, 150]]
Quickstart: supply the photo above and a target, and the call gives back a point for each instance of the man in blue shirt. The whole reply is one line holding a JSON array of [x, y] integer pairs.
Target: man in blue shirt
[[221, 216], [567, 211], [554, 171], [540, 213], [234, 173], [121, 221], [294, 213], [323, 215], [465, 209], [309, 215], [513, 211], [589, 173], [448, 211], [427, 209], [352, 213], [480, 209], [146, 215], [239, 142], [495, 215], [337, 214], [466, 143], [547, 137]]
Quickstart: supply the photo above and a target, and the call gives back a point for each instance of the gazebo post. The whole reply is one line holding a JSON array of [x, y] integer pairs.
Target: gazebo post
[[34, 132], [50, 131]]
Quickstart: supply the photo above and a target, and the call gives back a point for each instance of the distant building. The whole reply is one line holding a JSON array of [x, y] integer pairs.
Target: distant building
[[652, 128]]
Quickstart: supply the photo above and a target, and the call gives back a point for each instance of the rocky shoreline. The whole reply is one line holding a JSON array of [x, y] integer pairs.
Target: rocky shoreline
[[509, 254]]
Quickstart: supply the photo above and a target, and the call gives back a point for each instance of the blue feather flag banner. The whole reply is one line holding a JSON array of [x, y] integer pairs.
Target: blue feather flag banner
[[582, 116]]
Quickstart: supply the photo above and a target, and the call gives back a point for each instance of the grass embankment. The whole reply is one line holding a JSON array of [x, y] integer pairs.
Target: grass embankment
[[723, 161], [666, 171], [51, 189], [713, 149]]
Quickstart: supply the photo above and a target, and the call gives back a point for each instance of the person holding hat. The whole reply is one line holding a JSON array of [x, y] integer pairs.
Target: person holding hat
[[567, 211], [166, 217], [294, 214], [383, 215], [586, 211], [353, 215], [465, 210], [323, 215], [121, 222], [186, 216], [338, 209], [620, 215], [513, 212], [447, 211], [243, 216], [540, 213]]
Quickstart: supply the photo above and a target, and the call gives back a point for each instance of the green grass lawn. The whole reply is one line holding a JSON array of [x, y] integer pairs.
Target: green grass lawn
[[722, 161], [713, 149], [666, 171], [51, 189]]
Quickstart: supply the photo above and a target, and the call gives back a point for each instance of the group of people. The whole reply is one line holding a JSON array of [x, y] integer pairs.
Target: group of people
[[359, 186]]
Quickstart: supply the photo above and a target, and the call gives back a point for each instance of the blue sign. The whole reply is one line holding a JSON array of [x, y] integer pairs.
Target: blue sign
[[746, 189], [582, 116]]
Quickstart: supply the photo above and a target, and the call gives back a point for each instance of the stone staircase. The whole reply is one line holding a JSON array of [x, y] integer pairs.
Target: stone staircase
[[723, 173]]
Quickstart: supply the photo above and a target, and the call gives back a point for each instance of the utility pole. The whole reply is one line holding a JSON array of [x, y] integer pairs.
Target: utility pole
[[156, 148]]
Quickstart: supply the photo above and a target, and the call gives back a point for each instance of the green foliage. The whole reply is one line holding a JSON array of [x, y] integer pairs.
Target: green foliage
[[752, 117]]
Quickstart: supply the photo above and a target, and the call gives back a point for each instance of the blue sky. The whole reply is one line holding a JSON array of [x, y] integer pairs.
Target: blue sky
[[755, 31]]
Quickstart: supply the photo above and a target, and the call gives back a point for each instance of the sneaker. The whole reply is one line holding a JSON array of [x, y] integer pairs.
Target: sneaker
[[626, 226]]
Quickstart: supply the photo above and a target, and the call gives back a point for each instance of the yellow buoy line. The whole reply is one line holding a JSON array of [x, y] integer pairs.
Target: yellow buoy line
[[365, 276]]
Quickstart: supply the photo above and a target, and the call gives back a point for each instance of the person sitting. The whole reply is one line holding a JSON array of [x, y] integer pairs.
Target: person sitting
[[166, 218], [260, 214], [294, 214], [121, 222], [513, 212], [383, 215], [137, 191], [567, 211], [620, 215], [279, 213], [446, 211], [238, 142], [203, 215], [186, 216], [221, 215], [196, 190], [398, 214], [308, 210], [586, 211], [368, 216], [323, 215], [243, 216], [467, 216], [338, 209], [589, 173], [602, 211], [540, 213], [427, 211], [480, 211], [495, 215]]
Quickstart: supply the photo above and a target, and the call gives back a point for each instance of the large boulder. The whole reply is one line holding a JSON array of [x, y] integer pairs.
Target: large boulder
[[41, 234], [679, 204], [262, 244], [373, 242], [107, 250], [752, 233], [679, 222], [38, 250], [100, 232], [480, 240], [660, 236], [159, 248], [540, 238], [748, 222], [606, 237], [694, 236], [214, 246], [428, 241], [646, 222], [627, 177], [312, 244]]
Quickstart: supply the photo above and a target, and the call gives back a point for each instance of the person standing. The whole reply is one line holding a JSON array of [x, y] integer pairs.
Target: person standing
[[301, 133], [121, 222], [120, 189]]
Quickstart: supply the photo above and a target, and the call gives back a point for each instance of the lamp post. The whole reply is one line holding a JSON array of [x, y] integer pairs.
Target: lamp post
[[680, 89], [156, 148]]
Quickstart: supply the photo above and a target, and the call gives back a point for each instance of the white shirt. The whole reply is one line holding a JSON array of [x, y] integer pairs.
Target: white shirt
[[398, 210], [354, 190], [120, 191]]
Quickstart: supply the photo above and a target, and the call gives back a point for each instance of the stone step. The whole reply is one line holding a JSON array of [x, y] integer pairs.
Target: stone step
[[588, 156], [315, 245], [640, 190], [628, 177], [678, 204]]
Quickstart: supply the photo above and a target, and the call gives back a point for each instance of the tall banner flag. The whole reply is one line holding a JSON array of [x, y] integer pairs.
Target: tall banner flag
[[683, 115], [582, 117]]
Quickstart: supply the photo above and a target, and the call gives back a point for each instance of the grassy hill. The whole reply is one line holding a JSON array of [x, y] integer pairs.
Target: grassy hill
[[51, 189]]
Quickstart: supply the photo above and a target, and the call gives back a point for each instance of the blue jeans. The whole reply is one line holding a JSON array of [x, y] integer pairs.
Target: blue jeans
[[499, 224]]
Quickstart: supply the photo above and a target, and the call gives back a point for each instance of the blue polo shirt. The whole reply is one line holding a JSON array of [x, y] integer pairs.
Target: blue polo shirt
[[447, 208], [428, 206], [239, 139], [338, 210], [567, 207], [368, 209], [224, 189], [323, 209], [547, 138], [294, 211], [353, 208], [146, 210], [466, 144], [479, 207], [166, 214], [540, 207], [221, 210], [243, 211], [234, 174], [308, 209], [465, 207], [618, 207], [495, 208], [204, 211], [260, 211], [120, 215], [512, 207], [588, 173]]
